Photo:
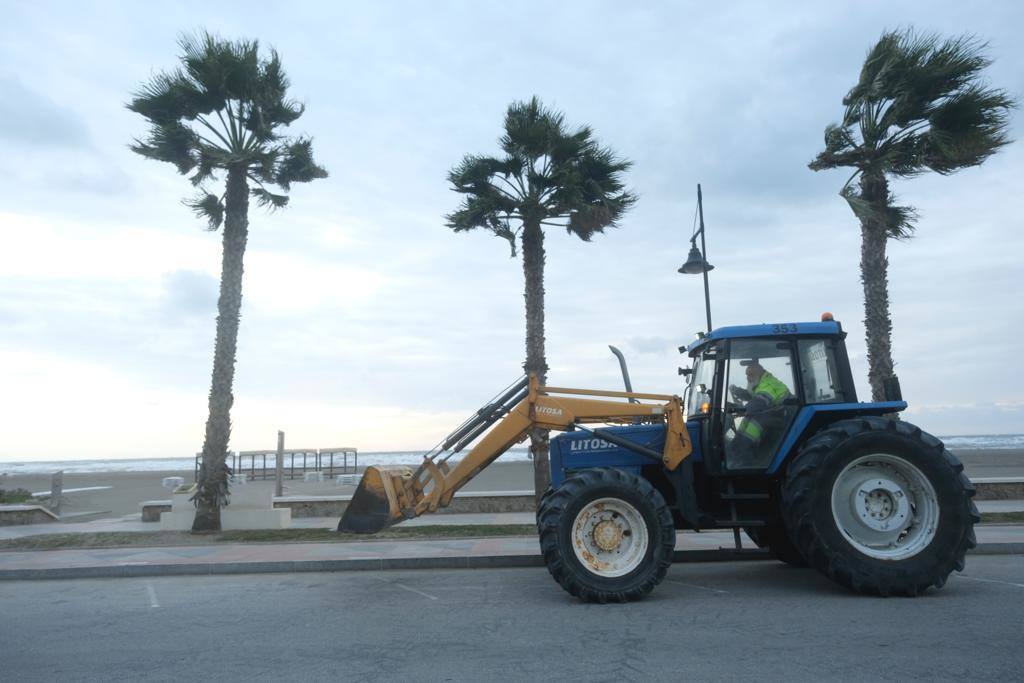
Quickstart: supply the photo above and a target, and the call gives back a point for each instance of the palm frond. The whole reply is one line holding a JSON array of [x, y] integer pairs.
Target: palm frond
[[224, 69], [208, 206], [898, 222], [295, 164], [162, 99], [531, 129], [903, 157], [841, 149], [477, 174], [171, 142], [502, 229], [273, 104], [548, 174], [479, 211], [262, 167], [918, 105], [224, 107], [966, 129], [269, 200], [204, 170], [589, 188]]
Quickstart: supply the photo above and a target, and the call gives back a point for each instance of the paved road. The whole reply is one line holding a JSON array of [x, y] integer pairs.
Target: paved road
[[707, 621]]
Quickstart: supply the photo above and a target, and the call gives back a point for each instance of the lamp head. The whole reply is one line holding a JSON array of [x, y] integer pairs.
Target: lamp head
[[695, 263]]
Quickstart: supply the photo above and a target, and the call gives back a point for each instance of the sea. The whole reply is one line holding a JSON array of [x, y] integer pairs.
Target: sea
[[955, 443], [187, 464]]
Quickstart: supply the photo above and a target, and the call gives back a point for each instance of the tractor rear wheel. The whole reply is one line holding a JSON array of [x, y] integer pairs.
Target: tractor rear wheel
[[879, 506], [606, 535]]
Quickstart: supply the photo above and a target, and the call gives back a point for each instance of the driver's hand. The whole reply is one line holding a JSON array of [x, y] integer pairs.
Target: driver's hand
[[739, 393]]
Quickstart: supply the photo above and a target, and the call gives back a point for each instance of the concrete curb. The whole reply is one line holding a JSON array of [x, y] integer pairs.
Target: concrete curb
[[457, 562], [998, 549], [276, 567]]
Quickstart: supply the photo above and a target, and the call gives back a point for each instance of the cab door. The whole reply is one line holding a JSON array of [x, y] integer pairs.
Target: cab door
[[702, 413], [750, 435]]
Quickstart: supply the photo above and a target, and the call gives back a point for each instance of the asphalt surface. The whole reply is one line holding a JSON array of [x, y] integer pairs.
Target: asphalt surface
[[749, 620]]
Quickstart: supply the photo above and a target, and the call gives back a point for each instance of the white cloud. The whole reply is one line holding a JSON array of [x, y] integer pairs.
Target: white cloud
[[44, 248], [291, 284]]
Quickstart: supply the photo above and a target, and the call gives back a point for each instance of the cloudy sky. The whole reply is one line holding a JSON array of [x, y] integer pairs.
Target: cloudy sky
[[366, 322]]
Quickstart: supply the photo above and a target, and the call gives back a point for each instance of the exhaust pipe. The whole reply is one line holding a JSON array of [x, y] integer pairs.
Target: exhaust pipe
[[625, 372]]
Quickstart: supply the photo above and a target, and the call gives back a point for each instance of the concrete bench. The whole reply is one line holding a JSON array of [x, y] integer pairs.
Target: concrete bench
[[152, 509], [250, 508], [16, 515], [999, 488]]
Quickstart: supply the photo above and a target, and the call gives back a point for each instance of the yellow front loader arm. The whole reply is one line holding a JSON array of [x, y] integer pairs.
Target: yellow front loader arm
[[387, 495]]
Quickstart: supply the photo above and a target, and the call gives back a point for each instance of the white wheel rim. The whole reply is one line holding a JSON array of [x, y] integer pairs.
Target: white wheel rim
[[885, 507], [609, 537]]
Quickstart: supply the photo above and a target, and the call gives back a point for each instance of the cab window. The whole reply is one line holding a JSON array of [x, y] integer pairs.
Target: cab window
[[818, 371], [701, 385], [759, 401]]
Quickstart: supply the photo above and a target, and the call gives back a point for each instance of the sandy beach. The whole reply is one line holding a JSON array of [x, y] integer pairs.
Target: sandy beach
[[129, 489]]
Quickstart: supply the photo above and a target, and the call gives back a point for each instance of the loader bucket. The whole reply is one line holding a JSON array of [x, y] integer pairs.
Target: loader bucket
[[370, 509]]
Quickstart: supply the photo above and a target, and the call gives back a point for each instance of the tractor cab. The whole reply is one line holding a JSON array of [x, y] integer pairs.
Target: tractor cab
[[749, 384]]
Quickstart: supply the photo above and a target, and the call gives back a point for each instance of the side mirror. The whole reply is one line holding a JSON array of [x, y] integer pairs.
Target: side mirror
[[685, 372]]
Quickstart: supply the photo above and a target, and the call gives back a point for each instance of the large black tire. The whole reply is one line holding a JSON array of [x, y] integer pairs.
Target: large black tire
[[777, 541], [543, 500], [812, 520], [557, 517]]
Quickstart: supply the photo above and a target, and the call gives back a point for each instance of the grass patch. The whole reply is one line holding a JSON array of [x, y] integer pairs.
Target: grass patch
[[128, 539], [1002, 518], [14, 496]]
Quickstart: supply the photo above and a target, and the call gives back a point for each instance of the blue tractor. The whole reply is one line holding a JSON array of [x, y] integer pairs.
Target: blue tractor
[[783, 451]]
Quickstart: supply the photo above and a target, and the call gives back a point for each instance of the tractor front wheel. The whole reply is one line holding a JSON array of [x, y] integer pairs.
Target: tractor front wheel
[[606, 535], [879, 506]]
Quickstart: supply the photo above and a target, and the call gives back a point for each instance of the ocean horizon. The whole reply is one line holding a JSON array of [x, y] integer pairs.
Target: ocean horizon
[[521, 454]]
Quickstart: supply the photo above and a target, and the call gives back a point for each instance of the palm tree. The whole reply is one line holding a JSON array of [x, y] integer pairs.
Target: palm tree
[[920, 105], [220, 115], [548, 176]]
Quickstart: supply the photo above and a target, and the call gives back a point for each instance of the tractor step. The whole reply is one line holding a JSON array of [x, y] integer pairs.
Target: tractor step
[[745, 496], [739, 523]]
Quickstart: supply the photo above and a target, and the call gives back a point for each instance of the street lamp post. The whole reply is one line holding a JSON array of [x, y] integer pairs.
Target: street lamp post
[[697, 261]]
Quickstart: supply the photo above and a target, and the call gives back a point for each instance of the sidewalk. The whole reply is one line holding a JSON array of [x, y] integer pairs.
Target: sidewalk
[[250, 558], [132, 522]]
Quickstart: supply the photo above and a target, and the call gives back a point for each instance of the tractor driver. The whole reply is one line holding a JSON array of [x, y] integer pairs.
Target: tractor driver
[[762, 413]]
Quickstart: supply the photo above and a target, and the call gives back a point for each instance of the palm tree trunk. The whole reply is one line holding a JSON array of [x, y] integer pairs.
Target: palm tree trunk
[[212, 494], [874, 268], [533, 270]]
